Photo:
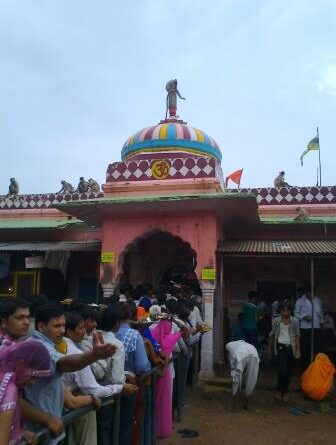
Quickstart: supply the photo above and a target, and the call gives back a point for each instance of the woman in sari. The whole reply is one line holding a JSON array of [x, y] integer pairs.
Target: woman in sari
[[20, 364], [162, 333]]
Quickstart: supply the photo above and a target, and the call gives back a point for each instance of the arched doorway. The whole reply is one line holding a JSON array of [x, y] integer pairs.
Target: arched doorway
[[158, 258]]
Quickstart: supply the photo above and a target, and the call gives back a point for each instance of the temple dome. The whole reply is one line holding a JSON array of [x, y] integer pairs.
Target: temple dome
[[171, 136]]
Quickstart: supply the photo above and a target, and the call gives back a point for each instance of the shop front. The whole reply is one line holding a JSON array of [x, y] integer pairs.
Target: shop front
[[275, 269], [58, 269]]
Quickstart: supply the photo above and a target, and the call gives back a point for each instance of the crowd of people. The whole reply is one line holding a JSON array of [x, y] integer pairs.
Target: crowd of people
[[55, 358], [279, 331]]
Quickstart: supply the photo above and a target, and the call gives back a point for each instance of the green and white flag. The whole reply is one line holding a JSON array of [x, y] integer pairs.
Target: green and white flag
[[313, 145]]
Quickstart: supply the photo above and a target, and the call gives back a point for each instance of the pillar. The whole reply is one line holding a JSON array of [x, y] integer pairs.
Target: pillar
[[107, 279], [108, 289], [332, 294], [218, 316], [207, 356]]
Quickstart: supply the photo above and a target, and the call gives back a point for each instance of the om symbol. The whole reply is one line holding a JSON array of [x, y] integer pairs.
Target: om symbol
[[160, 169]]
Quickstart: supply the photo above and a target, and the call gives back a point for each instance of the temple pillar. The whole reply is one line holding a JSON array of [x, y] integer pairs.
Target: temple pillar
[[331, 300], [108, 289], [207, 350], [107, 279], [219, 317]]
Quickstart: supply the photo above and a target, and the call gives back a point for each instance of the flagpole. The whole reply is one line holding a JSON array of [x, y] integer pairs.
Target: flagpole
[[319, 157]]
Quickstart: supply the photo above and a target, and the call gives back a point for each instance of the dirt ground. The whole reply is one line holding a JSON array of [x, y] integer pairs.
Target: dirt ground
[[266, 422]]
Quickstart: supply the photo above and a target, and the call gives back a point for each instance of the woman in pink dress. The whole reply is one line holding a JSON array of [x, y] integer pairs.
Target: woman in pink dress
[[162, 333], [20, 364]]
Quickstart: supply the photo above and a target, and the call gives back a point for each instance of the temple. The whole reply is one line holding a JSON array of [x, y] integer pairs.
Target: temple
[[164, 211]]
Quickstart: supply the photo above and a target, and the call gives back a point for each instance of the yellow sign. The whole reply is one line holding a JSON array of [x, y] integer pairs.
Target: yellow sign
[[209, 274], [107, 257], [160, 169]]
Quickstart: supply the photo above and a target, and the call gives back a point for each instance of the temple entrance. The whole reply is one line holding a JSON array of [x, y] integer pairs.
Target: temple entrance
[[159, 258]]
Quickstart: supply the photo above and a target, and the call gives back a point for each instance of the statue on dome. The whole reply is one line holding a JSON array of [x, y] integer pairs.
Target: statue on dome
[[172, 93], [83, 186], [93, 186], [13, 189], [66, 187]]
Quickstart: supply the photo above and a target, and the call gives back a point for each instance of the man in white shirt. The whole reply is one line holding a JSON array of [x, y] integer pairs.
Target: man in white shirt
[[309, 313], [84, 430], [244, 364], [115, 374], [195, 317], [89, 314]]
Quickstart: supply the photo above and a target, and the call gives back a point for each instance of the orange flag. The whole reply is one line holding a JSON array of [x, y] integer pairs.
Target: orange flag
[[235, 177]]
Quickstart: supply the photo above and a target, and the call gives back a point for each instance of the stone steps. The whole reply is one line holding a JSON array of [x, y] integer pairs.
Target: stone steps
[[217, 381]]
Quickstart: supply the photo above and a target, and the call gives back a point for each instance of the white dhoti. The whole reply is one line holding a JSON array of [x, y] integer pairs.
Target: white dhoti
[[245, 380], [244, 363]]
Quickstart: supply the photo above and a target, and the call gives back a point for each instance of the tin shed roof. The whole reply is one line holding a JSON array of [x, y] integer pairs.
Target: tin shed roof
[[280, 247]]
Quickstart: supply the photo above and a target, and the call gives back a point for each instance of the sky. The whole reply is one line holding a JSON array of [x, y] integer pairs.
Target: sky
[[78, 77]]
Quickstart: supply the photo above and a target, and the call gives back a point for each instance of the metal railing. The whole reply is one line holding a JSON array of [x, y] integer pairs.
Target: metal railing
[[45, 435]]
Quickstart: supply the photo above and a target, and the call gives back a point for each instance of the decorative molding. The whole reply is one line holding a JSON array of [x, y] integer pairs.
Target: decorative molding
[[180, 168], [192, 166], [291, 195], [44, 201]]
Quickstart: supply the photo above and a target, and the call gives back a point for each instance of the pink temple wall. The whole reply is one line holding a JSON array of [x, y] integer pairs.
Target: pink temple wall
[[199, 229]]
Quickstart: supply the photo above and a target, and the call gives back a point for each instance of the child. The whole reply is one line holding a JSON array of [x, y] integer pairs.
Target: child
[[285, 343]]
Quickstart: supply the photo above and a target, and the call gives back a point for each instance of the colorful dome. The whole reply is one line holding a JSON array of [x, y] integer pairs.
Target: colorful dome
[[171, 136]]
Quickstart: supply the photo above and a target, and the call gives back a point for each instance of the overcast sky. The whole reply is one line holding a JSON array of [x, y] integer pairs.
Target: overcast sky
[[77, 77]]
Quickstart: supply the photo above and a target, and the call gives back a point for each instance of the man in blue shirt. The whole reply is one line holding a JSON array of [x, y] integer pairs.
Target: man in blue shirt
[[48, 394], [136, 363], [237, 330], [250, 319], [15, 314]]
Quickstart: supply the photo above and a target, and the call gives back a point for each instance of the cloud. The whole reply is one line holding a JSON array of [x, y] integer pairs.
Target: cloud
[[328, 83]]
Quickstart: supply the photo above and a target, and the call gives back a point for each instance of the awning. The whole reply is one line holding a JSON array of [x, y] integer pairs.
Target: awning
[[60, 246], [230, 208], [277, 247]]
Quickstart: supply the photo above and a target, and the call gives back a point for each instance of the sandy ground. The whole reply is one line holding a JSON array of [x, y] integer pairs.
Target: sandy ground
[[266, 422]]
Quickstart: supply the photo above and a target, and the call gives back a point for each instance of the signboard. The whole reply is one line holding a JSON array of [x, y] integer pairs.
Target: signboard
[[160, 169], [107, 257], [34, 262], [209, 274]]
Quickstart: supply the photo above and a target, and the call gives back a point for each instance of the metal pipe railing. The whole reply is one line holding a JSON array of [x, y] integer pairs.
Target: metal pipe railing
[[45, 435]]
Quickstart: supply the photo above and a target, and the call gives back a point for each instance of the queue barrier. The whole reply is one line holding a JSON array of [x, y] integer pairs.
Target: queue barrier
[[44, 435]]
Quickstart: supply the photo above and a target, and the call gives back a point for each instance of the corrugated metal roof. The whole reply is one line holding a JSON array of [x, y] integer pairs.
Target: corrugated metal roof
[[276, 219], [60, 246], [247, 247], [35, 223]]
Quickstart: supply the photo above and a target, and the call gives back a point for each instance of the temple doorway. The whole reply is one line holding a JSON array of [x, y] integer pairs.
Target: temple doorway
[[159, 258]]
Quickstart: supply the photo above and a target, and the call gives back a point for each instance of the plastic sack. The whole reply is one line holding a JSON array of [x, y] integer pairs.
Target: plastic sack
[[317, 380]]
